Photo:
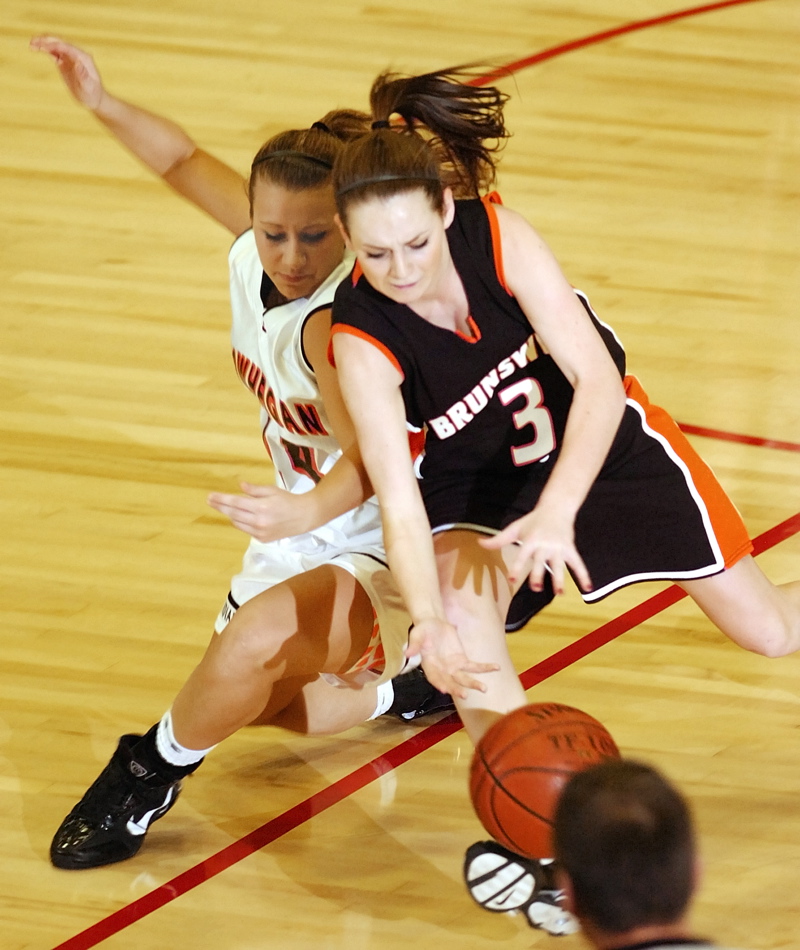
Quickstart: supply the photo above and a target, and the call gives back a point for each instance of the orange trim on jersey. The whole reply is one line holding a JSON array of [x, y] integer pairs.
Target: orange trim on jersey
[[355, 274], [726, 522], [354, 331], [475, 331], [489, 201], [416, 443]]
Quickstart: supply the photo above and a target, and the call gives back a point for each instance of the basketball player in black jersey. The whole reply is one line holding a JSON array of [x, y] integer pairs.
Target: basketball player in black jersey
[[542, 455]]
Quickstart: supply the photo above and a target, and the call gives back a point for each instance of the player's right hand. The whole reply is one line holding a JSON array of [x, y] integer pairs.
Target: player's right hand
[[265, 512], [447, 666], [77, 69]]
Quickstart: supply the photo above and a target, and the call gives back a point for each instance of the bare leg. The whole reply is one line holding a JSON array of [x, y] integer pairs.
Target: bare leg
[[272, 650], [259, 668], [476, 598], [750, 609], [320, 709]]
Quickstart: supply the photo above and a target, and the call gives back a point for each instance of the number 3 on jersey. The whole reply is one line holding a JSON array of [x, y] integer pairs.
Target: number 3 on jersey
[[533, 413]]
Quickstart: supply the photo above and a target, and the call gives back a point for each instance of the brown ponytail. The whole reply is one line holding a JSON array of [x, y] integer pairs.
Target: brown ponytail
[[450, 136]]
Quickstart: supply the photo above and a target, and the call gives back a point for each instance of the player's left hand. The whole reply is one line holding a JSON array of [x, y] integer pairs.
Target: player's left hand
[[545, 541], [265, 512]]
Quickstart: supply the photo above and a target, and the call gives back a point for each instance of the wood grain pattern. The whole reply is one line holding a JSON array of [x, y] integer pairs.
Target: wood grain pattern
[[661, 166]]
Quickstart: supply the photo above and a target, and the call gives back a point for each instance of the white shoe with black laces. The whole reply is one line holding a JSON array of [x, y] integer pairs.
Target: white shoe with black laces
[[504, 882]]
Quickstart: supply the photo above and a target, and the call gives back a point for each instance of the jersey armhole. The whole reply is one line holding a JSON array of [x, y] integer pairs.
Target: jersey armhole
[[354, 331], [489, 201], [306, 318]]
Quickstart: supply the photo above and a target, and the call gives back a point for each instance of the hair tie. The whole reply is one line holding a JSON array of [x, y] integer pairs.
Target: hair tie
[[322, 127], [291, 153], [380, 124], [380, 179]]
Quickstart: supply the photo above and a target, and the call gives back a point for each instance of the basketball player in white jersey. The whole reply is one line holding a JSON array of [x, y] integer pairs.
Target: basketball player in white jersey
[[314, 588]]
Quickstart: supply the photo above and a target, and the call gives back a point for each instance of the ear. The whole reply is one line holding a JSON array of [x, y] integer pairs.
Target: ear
[[343, 232], [697, 872], [449, 209]]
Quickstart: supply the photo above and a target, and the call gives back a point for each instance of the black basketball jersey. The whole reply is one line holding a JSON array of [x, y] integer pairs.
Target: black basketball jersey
[[494, 406]]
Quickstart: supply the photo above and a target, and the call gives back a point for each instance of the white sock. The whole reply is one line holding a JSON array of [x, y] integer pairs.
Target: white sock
[[170, 749], [385, 699]]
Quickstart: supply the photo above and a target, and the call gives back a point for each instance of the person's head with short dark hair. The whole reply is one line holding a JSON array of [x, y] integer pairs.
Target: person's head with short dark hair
[[625, 843]]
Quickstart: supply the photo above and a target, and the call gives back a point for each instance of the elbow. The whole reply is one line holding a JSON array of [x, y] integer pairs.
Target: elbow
[[605, 389], [177, 162]]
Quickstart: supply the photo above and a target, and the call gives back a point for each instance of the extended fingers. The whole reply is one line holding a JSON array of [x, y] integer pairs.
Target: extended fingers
[[260, 491], [555, 568], [532, 561], [581, 573], [223, 502], [496, 541], [460, 681], [235, 506], [538, 564], [60, 51], [464, 681], [47, 44], [460, 687]]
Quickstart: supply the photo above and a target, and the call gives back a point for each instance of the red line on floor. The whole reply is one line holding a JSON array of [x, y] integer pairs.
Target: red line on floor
[[636, 615], [400, 754], [431, 735], [737, 437], [605, 35]]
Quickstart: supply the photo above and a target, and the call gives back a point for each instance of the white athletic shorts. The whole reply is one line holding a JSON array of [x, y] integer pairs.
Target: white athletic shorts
[[265, 565]]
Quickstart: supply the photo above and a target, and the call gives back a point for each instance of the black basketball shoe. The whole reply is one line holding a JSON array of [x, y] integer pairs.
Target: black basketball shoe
[[109, 823], [504, 882], [414, 697], [526, 603]]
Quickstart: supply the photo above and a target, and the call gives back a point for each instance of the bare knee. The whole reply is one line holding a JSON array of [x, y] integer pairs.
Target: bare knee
[[246, 646], [748, 608], [320, 709], [775, 643], [772, 635]]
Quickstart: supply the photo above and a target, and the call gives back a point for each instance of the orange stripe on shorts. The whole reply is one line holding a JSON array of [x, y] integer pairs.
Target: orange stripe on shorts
[[373, 658], [726, 522]]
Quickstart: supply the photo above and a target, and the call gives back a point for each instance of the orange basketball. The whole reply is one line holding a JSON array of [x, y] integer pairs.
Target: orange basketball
[[520, 766]]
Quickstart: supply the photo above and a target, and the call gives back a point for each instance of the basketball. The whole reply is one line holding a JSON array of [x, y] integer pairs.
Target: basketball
[[520, 766]]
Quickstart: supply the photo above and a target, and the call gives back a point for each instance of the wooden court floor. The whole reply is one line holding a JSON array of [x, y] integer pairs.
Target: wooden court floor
[[662, 165]]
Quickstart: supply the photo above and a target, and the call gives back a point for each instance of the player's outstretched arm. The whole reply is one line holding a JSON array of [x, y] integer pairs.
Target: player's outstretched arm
[[370, 387], [545, 538], [162, 145]]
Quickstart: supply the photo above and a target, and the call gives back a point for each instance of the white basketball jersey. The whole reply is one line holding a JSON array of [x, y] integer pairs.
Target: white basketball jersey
[[268, 355]]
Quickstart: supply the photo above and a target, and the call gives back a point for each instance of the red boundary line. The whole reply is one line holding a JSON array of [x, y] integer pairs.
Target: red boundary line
[[602, 37], [432, 735], [736, 437], [636, 615], [425, 739], [594, 38]]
